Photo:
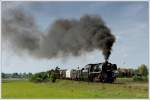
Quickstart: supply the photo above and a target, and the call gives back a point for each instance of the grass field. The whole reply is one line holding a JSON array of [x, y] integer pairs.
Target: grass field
[[122, 88]]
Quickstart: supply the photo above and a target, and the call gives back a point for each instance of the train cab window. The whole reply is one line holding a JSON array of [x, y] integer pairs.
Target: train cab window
[[96, 68], [91, 68], [100, 66], [86, 67]]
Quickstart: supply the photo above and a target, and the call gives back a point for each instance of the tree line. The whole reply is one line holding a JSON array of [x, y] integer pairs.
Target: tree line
[[16, 75], [141, 73]]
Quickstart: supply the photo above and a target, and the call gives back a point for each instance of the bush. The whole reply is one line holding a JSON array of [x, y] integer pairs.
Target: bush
[[53, 77], [143, 70], [140, 78], [39, 77]]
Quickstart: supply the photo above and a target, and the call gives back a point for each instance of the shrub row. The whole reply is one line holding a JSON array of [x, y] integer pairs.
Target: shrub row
[[140, 78], [43, 77]]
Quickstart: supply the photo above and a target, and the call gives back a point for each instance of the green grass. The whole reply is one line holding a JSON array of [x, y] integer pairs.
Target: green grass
[[123, 88]]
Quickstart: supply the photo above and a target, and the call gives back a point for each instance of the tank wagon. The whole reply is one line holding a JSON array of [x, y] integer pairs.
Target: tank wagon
[[101, 72]]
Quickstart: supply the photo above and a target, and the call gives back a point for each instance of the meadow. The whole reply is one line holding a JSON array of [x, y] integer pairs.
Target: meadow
[[122, 88]]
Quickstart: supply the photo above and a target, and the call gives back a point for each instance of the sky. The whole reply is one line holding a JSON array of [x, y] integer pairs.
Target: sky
[[128, 21]]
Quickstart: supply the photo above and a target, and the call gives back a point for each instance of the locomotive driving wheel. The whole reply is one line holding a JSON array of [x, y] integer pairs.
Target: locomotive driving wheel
[[106, 77]]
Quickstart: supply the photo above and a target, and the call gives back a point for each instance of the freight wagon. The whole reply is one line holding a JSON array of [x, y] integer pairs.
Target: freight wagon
[[71, 74]]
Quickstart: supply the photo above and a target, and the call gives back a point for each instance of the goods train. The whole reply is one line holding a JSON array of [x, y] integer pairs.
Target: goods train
[[101, 72]]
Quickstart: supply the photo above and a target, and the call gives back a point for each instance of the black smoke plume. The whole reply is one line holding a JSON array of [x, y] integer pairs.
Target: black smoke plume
[[64, 36]]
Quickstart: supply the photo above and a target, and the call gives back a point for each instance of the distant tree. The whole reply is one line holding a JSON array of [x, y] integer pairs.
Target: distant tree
[[53, 76], [20, 75], [136, 71], [48, 73], [3, 75], [15, 75], [29, 75], [143, 70], [25, 75], [57, 72]]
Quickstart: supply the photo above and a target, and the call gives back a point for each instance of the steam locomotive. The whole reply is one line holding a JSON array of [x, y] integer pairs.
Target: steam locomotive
[[101, 72]]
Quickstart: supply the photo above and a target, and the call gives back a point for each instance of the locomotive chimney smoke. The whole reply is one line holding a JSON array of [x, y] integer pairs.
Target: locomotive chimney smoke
[[64, 36], [86, 34], [20, 30]]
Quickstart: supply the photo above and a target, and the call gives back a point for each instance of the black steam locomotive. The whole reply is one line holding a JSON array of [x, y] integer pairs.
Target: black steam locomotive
[[101, 72]]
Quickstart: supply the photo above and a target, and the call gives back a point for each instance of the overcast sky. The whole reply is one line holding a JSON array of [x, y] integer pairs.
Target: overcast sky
[[128, 21]]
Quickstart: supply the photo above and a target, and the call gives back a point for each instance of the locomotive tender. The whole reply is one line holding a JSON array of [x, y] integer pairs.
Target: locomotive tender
[[101, 72]]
